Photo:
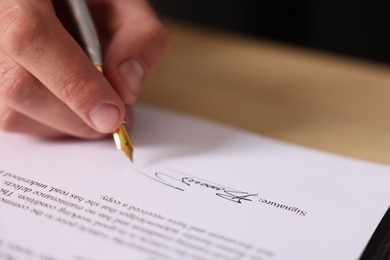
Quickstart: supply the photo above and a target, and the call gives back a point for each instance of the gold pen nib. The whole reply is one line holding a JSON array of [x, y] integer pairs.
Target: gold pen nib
[[121, 138], [123, 142]]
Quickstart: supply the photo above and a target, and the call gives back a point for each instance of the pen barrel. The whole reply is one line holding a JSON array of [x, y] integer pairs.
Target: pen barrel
[[87, 30]]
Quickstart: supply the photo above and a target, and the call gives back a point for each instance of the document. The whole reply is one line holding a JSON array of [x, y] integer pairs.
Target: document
[[197, 190]]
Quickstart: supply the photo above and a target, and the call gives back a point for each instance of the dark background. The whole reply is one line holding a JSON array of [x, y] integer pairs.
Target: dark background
[[355, 28]]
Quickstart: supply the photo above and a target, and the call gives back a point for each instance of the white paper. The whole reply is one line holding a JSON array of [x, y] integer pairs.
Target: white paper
[[197, 191]]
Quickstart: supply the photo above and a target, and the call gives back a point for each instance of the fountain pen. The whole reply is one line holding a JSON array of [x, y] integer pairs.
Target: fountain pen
[[89, 35]]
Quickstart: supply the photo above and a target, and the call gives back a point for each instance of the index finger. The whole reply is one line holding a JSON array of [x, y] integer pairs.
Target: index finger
[[33, 36]]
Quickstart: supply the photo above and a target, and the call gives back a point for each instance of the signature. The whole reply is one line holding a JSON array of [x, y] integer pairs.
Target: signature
[[184, 182]]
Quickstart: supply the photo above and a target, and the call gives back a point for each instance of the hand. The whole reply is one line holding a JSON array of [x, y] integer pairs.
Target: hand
[[48, 86]]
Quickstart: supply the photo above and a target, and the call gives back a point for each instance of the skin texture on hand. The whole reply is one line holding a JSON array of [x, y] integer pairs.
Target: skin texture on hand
[[48, 86]]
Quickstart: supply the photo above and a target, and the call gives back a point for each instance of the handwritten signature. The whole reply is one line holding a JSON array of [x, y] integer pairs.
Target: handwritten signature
[[181, 182]]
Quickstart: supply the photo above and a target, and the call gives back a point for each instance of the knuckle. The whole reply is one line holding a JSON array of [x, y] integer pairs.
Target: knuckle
[[73, 90], [157, 34], [14, 86], [9, 120], [21, 29]]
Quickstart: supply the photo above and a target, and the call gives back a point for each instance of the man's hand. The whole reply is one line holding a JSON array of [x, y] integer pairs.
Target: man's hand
[[48, 86]]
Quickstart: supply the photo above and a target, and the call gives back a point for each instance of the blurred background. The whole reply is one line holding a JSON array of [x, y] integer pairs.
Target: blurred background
[[353, 28]]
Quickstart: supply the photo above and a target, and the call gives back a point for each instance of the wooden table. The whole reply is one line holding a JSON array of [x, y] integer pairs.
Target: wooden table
[[331, 103]]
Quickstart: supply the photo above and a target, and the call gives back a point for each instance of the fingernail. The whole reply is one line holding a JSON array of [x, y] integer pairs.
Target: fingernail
[[105, 117], [132, 75]]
